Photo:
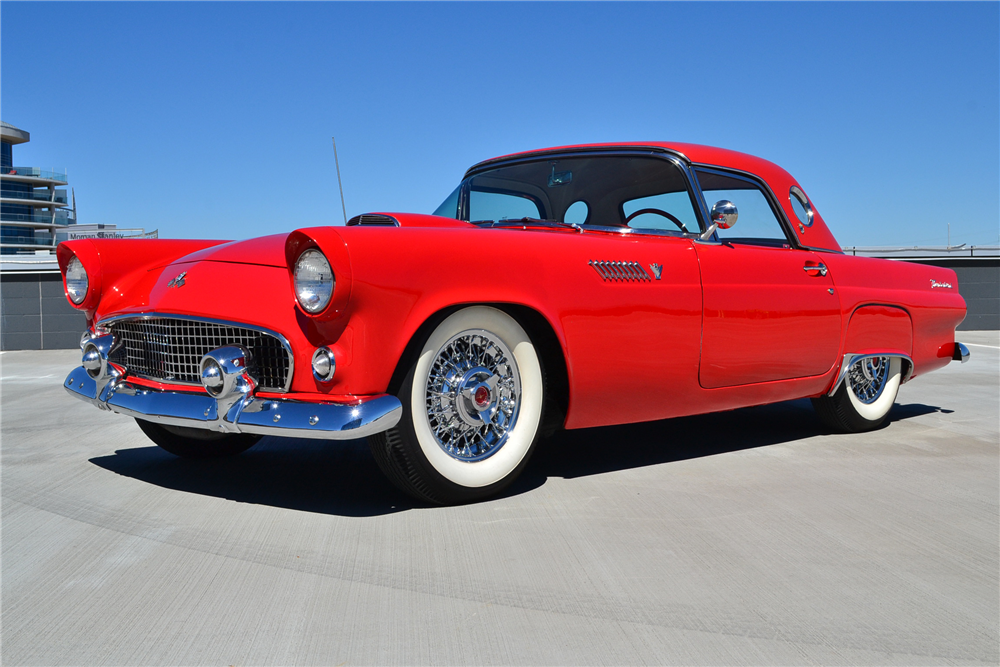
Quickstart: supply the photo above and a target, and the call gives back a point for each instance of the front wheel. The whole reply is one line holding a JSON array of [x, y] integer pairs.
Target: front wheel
[[196, 443], [865, 396], [472, 404]]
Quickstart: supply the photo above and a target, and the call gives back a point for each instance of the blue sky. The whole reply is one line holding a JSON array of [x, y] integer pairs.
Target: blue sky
[[213, 120]]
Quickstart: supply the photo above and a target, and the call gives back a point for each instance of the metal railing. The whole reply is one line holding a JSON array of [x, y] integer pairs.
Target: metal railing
[[49, 174], [36, 195], [962, 250]]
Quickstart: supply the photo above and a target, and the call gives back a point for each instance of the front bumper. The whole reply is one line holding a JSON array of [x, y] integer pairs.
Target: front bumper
[[284, 417]]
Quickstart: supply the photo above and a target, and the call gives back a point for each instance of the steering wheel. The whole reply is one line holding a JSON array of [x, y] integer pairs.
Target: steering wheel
[[657, 211]]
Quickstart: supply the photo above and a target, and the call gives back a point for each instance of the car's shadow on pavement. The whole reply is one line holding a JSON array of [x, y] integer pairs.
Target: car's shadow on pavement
[[341, 477]]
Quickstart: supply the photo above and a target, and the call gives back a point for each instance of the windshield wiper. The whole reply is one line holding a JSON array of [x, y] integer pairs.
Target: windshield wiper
[[521, 222]]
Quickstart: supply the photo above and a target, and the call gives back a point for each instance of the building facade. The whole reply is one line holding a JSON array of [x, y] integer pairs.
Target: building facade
[[35, 216], [33, 207]]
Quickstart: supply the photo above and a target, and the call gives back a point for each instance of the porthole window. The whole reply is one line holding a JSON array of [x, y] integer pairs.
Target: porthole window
[[576, 214], [800, 204]]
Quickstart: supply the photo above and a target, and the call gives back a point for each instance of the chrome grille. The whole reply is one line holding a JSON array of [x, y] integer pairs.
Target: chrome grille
[[170, 349], [624, 271]]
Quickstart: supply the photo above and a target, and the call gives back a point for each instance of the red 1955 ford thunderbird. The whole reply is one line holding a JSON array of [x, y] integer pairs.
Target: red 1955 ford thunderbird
[[560, 288]]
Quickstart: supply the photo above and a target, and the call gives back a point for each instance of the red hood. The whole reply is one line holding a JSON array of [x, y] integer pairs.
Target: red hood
[[263, 251]]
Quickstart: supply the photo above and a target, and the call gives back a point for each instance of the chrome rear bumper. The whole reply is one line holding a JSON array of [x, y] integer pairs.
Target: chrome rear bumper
[[961, 353], [280, 417]]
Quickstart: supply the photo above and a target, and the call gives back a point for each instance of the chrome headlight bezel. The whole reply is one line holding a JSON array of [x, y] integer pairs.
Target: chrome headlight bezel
[[76, 287], [313, 281]]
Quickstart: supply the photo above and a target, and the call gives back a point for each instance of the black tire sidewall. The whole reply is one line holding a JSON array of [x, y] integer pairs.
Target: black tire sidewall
[[192, 448]]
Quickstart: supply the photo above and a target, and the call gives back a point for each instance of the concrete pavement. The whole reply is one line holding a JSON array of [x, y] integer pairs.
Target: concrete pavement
[[749, 537]]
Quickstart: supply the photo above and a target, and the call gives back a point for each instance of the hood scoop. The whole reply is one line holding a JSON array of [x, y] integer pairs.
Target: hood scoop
[[373, 220]]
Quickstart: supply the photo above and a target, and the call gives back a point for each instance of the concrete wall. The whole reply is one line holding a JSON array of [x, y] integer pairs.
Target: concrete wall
[[36, 316], [34, 313]]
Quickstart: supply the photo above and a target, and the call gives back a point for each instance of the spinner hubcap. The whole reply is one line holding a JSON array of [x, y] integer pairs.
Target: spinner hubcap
[[473, 393]]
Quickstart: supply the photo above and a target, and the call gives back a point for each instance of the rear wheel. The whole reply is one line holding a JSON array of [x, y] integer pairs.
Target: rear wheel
[[865, 396], [196, 443], [472, 404]]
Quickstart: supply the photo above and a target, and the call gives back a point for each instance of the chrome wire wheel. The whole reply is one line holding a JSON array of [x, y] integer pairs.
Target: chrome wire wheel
[[867, 378], [473, 395]]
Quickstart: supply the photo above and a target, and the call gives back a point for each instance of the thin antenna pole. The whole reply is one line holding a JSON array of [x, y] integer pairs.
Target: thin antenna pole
[[949, 234], [339, 182]]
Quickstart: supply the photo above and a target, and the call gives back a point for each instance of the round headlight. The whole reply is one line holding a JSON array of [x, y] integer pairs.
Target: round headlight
[[76, 281], [313, 281]]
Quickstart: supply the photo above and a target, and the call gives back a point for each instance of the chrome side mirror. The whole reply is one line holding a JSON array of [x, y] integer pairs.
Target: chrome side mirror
[[724, 215]]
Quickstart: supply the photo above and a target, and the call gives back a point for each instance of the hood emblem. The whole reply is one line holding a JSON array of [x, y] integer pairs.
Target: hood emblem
[[178, 281], [657, 270], [935, 283]]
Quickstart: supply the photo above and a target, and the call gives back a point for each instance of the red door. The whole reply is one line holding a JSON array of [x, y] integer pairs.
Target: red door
[[767, 316]]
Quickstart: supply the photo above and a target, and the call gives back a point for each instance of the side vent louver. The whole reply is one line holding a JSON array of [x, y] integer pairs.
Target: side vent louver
[[623, 271], [373, 220]]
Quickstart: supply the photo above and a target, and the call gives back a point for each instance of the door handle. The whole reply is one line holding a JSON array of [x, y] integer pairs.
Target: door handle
[[819, 267]]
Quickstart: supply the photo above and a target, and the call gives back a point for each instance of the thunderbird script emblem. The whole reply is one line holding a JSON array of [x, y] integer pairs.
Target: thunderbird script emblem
[[657, 270], [178, 281], [935, 283]]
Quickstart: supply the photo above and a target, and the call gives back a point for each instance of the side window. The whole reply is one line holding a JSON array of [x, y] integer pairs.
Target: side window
[[501, 206], [677, 206], [757, 222]]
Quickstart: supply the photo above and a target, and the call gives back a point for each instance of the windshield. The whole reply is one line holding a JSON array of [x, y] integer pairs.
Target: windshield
[[641, 192]]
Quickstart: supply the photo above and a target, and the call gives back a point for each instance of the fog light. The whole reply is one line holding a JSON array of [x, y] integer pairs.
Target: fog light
[[324, 365], [223, 372]]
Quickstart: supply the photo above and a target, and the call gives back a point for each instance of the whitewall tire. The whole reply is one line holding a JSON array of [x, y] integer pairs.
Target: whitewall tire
[[865, 396], [472, 404]]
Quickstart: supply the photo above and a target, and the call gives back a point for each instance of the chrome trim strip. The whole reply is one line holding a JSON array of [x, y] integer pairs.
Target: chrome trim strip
[[283, 417], [851, 359], [961, 353], [704, 213], [153, 315]]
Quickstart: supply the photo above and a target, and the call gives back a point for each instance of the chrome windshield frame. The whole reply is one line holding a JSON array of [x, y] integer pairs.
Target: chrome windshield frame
[[676, 158]]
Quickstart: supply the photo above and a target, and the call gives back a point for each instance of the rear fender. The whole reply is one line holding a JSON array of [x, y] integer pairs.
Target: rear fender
[[878, 330]]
